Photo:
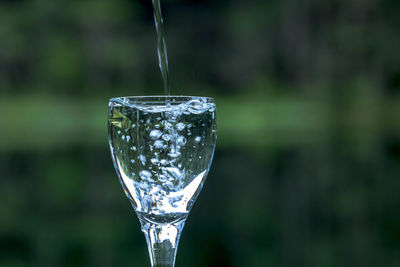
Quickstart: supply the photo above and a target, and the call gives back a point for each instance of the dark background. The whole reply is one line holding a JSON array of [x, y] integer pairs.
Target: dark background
[[306, 170]]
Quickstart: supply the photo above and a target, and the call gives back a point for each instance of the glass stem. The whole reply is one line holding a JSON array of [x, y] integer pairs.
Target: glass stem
[[162, 242]]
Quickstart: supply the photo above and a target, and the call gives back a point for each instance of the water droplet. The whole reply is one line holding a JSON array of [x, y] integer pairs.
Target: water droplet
[[197, 139], [155, 134], [180, 126]]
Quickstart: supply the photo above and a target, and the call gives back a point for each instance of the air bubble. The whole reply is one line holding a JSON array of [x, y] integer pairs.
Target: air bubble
[[145, 175], [172, 173], [177, 112], [166, 124], [155, 134], [142, 159], [180, 126], [174, 154], [158, 144], [180, 141], [166, 137]]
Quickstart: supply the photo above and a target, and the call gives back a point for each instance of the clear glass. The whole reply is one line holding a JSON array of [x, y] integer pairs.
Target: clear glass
[[162, 148]]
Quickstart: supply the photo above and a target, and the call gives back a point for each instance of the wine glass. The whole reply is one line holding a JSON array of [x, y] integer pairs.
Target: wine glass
[[162, 148]]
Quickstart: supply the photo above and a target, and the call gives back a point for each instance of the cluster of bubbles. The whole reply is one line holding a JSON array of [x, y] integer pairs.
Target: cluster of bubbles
[[164, 131], [165, 139], [156, 137]]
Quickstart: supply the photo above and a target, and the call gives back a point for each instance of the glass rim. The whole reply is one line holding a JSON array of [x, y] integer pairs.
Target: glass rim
[[159, 98]]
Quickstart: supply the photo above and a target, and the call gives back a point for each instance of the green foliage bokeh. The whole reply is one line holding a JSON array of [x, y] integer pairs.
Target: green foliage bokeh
[[308, 154]]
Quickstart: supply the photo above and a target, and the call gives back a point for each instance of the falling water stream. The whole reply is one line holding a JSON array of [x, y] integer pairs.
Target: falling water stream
[[161, 46]]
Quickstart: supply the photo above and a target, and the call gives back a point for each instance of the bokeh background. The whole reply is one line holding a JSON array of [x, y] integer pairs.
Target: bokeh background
[[306, 170]]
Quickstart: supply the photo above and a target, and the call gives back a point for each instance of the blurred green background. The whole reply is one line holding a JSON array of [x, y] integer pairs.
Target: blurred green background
[[306, 170]]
